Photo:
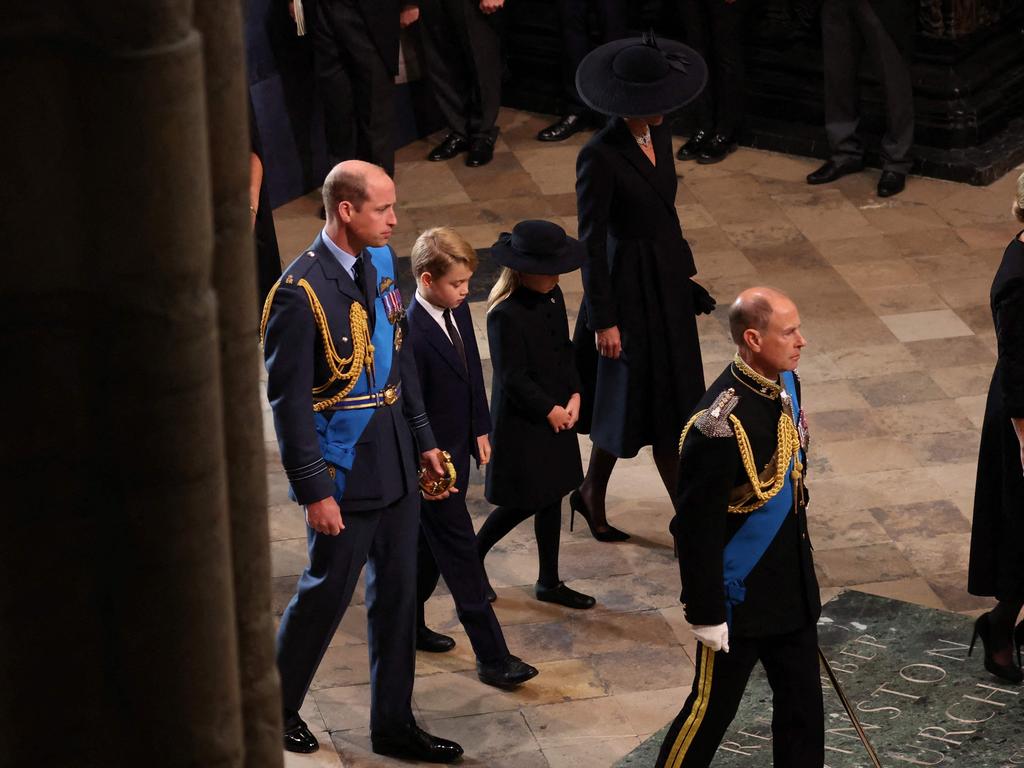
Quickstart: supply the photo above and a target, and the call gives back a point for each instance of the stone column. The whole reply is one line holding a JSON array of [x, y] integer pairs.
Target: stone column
[[234, 280]]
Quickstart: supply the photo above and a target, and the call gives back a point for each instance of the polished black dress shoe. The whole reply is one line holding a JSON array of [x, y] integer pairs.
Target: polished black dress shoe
[[563, 129], [694, 146], [481, 150], [297, 737], [1011, 673], [716, 150], [413, 743], [433, 642], [452, 145], [562, 595], [831, 171], [891, 183], [507, 673]]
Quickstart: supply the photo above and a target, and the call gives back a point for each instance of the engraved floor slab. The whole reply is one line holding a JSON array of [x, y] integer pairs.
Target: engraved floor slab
[[905, 669]]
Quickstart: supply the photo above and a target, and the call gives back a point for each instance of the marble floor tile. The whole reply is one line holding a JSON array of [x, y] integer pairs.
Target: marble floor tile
[[642, 669], [897, 389], [855, 250], [915, 590], [832, 529], [921, 519], [854, 565], [927, 418], [590, 752], [875, 360], [856, 457], [648, 711], [963, 380], [902, 216], [961, 350], [934, 324], [564, 724]]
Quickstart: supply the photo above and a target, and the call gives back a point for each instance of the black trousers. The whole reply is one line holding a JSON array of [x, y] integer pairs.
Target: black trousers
[[463, 65], [447, 547], [357, 89], [850, 28], [572, 15], [714, 29], [798, 719], [385, 540]]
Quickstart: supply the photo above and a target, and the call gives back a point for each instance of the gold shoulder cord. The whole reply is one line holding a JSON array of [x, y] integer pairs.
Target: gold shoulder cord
[[346, 369], [788, 449]]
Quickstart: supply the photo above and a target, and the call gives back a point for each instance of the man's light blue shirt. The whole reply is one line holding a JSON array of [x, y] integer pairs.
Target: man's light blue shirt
[[346, 259]]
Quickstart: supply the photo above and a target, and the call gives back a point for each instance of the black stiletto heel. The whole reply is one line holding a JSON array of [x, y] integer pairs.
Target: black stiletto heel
[[983, 628], [1018, 640], [576, 504]]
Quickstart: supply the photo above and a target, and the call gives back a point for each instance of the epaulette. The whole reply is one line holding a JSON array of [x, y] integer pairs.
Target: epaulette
[[714, 421], [298, 268]]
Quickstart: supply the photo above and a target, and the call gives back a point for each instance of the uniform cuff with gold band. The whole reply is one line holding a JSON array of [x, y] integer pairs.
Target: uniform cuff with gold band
[[387, 396], [435, 487]]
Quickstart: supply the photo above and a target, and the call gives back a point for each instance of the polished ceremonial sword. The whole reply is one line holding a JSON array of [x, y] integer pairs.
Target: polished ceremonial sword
[[849, 710]]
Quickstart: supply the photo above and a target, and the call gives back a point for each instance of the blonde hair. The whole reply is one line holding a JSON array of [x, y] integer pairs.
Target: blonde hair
[[507, 282], [1018, 202], [438, 248]]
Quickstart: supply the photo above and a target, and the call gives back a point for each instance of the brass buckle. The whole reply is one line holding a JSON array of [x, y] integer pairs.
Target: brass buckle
[[390, 395]]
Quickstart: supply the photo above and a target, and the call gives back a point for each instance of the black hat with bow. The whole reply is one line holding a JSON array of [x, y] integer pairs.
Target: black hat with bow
[[641, 76], [538, 247]]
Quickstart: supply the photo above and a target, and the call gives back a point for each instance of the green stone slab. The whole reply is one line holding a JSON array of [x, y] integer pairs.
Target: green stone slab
[[905, 668]]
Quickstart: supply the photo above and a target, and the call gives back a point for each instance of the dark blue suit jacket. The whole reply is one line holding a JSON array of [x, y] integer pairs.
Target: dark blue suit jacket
[[386, 454], [455, 399]]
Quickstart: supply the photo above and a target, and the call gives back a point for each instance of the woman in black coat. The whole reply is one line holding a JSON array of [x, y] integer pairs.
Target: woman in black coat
[[535, 398], [639, 303], [997, 533]]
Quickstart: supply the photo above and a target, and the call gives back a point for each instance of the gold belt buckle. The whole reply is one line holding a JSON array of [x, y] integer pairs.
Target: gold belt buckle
[[390, 395]]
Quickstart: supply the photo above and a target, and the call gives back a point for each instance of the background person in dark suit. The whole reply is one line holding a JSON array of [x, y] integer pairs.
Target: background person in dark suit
[[639, 299], [576, 42], [348, 421], [451, 375], [463, 66]]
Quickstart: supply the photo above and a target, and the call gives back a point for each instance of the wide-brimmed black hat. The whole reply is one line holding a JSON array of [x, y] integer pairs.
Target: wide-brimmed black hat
[[538, 247], [640, 76]]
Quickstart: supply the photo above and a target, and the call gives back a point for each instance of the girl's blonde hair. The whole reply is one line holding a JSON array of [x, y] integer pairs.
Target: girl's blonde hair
[[507, 282], [1018, 201]]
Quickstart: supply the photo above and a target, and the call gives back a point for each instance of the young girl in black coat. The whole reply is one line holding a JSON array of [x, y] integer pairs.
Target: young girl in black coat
[[535, 397]]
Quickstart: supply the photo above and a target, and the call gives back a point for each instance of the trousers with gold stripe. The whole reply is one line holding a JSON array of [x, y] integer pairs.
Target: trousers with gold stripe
[[798, 721]]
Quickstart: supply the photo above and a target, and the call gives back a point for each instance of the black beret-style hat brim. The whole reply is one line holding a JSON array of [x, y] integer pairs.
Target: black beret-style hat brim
[[567, 259]]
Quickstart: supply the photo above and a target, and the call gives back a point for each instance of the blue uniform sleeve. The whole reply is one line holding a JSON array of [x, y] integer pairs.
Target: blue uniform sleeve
[[289, 345], [413, 407]]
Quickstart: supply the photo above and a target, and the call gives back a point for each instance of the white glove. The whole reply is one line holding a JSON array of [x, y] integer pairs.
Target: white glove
[[714, 636]]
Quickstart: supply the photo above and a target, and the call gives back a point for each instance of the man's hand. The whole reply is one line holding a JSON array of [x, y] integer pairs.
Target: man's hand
[[715, 637], [488, 7], [483, 450], [573, 409], [433, 462], [609, 343], [409, 15], [1018, 428], [324, 516], [559, 418]]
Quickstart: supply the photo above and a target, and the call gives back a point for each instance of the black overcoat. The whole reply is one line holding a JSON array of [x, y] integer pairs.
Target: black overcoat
[[782, 589], [636, 277], [997, 532], [532, 358]]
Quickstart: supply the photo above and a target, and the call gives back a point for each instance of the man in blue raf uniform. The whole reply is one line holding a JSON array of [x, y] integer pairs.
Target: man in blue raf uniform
[[349, 416], [749, 587]]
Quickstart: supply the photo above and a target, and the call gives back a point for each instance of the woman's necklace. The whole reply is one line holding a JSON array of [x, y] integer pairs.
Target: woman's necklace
[[643, 139]]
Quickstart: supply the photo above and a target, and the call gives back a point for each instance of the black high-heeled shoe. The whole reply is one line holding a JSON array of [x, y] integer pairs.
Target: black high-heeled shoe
[[1018, 640], [610, 533], [1011, 673]]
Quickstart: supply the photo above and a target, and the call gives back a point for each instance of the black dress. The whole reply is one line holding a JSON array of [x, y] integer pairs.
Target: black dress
[[531, 465], [636, 277], [997, 534]]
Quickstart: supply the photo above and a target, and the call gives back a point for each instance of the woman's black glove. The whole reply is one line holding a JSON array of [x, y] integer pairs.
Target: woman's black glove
[[703, 302]]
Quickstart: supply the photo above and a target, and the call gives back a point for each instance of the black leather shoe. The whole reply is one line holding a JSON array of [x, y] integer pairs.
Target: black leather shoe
[[694, 146], [716, 150], [563, 129], [507, 673], [413, 743], [452, 145], [831, 171], [891, 183], [297, 737], [562, 595], [433, 642], [481, 150]]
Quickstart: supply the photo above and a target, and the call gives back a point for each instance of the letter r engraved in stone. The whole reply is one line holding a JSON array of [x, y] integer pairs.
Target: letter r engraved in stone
[[941, 734]]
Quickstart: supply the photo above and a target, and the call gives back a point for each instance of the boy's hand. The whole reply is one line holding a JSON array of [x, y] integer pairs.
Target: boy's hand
[[573, 409], [559, 418], [483, 450]]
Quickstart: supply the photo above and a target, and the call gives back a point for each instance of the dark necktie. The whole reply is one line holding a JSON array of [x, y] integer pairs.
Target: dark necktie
[[453, 334], [357, 273]]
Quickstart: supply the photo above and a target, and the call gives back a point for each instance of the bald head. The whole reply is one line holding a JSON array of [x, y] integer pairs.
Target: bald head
[[765, 325], [350, 182], [753, 308]]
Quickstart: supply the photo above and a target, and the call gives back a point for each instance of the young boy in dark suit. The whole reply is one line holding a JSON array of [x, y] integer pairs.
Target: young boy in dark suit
[[448, 361]]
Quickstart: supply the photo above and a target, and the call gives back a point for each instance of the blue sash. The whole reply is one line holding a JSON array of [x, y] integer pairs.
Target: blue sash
[[339, 431], [751, 541]]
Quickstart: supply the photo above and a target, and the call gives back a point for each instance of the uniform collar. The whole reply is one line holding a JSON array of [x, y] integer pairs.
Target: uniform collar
[[753, 380]]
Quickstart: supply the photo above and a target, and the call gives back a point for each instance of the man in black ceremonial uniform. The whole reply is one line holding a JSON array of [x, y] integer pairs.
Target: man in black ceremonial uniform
[[352, 431], [749, 587]]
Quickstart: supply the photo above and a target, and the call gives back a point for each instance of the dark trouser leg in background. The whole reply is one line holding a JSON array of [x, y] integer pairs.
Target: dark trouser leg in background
[[696, 34], [842, 44], [446, 63], [726, 21]]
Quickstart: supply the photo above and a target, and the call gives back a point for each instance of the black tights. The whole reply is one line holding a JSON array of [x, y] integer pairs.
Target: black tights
[[547, 526], [599, 472], [1003, 618]]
